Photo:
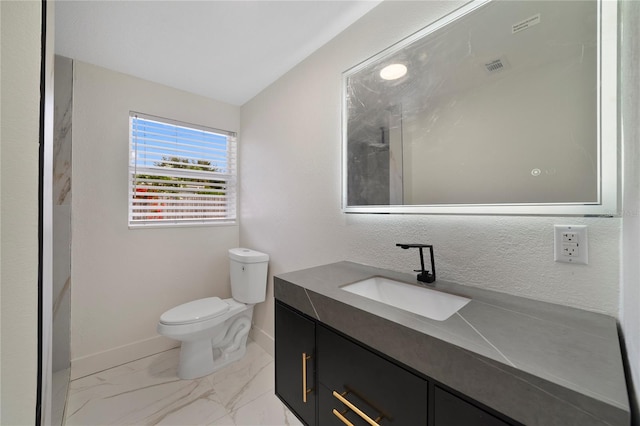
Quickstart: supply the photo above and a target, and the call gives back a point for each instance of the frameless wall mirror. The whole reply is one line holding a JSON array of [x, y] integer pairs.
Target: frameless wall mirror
[[501, 107]]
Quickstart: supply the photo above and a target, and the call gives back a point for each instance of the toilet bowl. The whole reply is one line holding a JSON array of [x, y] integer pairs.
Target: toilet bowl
[[214, 331]]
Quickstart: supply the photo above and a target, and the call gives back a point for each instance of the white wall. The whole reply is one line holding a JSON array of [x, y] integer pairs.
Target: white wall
[[20, 117], [123, 279], [460, 136], [630, 111], [290, 199]]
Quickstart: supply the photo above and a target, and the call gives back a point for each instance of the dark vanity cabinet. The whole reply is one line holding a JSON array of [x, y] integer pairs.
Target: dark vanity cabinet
[[327, 379], [453, 411], [295, 362], [361, 387]]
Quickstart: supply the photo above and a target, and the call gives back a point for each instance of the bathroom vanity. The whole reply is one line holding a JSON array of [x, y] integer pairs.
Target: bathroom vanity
[[342, 358]]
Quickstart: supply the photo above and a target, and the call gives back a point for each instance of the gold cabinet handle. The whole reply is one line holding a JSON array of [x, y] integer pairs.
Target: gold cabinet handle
[[355, 409], [342, 418], [305, 391]]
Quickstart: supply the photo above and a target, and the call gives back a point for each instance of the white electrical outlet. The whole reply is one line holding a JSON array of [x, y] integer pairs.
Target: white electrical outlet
[[571, 244]]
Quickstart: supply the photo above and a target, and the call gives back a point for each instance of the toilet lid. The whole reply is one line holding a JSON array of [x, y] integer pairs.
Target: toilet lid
[[198, 310]]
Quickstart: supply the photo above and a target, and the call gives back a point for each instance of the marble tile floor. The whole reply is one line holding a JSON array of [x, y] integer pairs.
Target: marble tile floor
[[148, 392]]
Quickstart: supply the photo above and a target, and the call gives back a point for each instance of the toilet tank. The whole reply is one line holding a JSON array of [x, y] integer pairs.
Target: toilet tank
[[248, 270]]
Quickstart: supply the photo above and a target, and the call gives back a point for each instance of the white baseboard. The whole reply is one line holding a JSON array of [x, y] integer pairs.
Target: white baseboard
[[263, 340], [100, 361]]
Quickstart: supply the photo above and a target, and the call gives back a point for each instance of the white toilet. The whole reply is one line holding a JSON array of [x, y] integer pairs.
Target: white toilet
[[214, 331]]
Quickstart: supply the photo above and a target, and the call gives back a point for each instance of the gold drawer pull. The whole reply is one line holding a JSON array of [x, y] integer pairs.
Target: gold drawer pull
[[355, 409], [305, 391], [342, 418]]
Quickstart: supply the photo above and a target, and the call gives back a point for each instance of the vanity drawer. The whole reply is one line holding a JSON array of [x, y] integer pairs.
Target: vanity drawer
[[449, 410], [353, 380]]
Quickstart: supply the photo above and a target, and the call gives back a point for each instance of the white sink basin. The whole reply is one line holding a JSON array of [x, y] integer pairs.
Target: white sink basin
[[423, 301]]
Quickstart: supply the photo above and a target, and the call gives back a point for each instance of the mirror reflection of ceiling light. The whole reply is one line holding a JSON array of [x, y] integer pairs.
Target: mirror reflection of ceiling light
[[393, 72]]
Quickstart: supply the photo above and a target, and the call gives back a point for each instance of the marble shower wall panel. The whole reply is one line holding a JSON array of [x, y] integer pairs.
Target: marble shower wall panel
[[62, 131], [61, 288], [63, 101]]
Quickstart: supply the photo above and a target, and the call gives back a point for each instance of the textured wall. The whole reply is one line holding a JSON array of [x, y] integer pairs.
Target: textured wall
[[290, 199], [123, 279], [20, 32]]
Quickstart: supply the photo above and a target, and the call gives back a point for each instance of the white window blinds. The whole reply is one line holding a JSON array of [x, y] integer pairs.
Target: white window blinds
[[180, 174]]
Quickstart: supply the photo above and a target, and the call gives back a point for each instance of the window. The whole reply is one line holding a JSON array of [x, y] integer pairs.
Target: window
[[179, 173]]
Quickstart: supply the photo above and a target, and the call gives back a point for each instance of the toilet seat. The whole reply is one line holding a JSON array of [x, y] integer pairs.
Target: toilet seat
[[195, 311]]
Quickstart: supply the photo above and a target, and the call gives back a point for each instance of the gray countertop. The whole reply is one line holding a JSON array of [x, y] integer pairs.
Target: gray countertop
[[536, 362]]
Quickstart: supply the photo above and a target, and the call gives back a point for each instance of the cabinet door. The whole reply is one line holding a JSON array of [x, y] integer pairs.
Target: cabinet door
[[450, 410], [295, 362], [370, 385]]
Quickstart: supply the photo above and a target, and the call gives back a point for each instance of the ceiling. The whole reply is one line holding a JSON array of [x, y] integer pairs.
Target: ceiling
[[224, 50]]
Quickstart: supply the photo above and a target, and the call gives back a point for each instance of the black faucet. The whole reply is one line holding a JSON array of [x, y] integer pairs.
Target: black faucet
[[423, 276]]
